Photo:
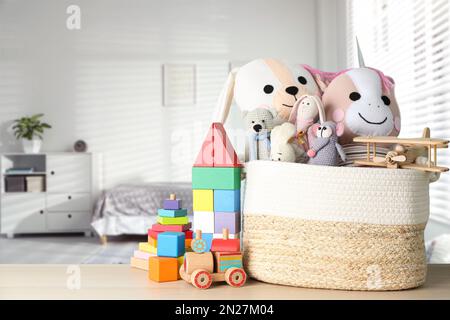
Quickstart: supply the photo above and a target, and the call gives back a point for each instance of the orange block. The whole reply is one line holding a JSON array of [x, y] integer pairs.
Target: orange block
[[162, 269], [187, 243], [153, 242]]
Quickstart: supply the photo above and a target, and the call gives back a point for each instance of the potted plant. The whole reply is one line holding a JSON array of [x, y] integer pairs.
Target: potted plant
[[30, 130]]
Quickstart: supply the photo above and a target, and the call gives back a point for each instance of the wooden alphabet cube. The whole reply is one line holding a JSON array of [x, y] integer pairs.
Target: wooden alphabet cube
[[227, 200], [228, 220], [162, 269], [203, 200], [204, 221], [171, 244]]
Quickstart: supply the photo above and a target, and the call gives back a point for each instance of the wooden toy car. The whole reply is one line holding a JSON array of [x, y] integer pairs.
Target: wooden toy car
[[203, 268], [198, 269]]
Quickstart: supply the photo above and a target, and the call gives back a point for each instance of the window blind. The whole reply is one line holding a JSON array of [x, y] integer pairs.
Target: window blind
[[409, 40]]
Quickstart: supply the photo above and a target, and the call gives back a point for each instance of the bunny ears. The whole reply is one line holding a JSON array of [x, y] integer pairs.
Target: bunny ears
[[318, 103], [225, 98]]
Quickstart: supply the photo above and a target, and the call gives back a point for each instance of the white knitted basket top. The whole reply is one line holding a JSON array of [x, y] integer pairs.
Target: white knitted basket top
[[341, 194]]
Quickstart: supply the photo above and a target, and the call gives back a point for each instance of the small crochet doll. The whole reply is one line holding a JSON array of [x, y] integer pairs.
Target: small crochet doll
[[323, 146]]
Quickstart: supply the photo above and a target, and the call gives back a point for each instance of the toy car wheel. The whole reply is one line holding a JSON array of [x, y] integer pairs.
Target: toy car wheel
[[235, 277], [201, 279]]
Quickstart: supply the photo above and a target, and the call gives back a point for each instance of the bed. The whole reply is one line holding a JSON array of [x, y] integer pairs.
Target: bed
[[132, 209]]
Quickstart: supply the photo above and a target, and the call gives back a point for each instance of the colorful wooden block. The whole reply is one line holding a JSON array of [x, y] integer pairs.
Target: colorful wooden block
[[171, 244], [175, 228], [224, 154], [172, 203], [153, 234], [225, 244], [228, 220], [227, 260], [187, 243], [162, 269], [227, 200], [172, 213], [153, 241], [172, 221], [205, 157], [208, 237], [139, 263], [143, 255], [188, 234], [204, 221], [203, 200], [147, 247], [216, 178], [217, 150]]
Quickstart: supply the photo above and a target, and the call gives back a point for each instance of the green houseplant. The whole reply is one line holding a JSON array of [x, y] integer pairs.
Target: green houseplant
[[30, 131]]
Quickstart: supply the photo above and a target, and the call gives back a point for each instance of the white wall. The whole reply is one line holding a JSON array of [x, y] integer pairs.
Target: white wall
[[103, 83]]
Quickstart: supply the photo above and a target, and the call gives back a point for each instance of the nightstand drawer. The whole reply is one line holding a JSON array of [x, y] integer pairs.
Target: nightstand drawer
[[69, 202], [67, 221]]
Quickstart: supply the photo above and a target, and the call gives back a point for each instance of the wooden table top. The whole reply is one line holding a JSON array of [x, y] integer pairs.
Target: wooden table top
[[124, 282]]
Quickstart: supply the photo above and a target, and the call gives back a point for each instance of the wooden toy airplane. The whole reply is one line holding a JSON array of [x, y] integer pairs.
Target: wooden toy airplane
[[405, 153]]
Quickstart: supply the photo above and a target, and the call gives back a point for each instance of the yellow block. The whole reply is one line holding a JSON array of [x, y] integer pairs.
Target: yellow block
[[152, 241], [147, 247], [203, 200], [139, 263]]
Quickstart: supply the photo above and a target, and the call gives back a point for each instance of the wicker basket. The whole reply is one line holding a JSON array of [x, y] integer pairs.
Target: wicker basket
[[335, 227]]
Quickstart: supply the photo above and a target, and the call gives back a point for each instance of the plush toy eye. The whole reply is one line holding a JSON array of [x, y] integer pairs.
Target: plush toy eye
[[302, 80], [386, 100], [253, 121], [354, 96], [268, 88], [263, 121]]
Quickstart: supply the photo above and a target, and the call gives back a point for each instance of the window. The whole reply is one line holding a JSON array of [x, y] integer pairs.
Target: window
[[409, 40]]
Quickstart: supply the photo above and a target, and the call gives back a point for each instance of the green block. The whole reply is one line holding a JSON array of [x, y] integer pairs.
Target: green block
[[172, 213], [169, 220], [216, 178]]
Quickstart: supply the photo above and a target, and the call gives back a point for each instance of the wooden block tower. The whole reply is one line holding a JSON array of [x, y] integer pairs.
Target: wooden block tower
[[216, 184]]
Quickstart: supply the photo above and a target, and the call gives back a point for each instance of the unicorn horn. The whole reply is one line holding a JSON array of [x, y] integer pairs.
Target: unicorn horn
[[360, 55]]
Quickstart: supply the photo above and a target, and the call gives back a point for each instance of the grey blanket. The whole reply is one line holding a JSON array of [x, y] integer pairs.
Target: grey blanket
[[140, 200]]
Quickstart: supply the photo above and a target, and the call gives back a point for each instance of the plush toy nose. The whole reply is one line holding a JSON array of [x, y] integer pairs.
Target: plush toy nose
[[292, 90], [257, 127]]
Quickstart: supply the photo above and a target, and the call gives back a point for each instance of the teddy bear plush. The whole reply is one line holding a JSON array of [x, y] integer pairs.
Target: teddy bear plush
[[259, 123], [283, 146], [324, 146]]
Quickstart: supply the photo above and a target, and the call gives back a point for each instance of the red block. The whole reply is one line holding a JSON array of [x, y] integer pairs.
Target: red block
[[174, 227], [217, 150], [188, 234], [153, 233], [205, 157], [226, 245], [224, 154]]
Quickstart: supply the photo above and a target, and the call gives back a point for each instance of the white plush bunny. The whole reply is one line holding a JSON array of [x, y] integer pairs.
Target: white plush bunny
[[283, 149]]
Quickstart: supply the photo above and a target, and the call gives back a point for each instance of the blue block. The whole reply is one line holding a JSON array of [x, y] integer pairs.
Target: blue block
[[227, 200], [172, 213], [171, 244], [208, 237]]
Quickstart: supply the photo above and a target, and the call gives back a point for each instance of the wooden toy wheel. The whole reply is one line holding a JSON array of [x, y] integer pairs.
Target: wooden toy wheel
[[235, 277], [201, 279], [198, 245]]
